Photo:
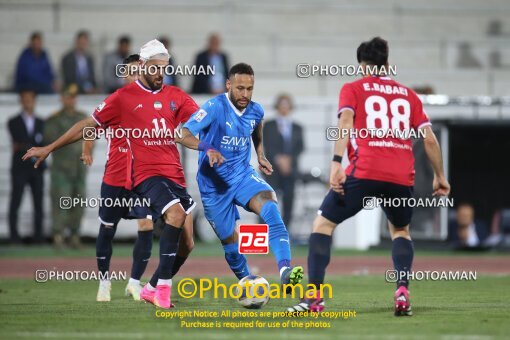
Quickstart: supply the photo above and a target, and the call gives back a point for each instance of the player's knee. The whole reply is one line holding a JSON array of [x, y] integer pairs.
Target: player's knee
[[232, 239], [269, 209], [261, 199], [175, 215], [323, 226], [145, 225], [399, 231]]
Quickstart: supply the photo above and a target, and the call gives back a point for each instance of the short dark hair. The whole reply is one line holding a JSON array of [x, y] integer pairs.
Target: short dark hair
[[35, 35], [82, 34], [281, 97], [373, 52], [125, 39], [27, 90], [131, 59], [241, 68]]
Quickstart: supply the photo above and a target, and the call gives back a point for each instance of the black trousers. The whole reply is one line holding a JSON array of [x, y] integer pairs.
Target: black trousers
[[19, 179], [284, 187]]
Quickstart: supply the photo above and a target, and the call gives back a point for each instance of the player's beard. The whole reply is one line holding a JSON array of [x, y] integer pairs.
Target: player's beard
[[235, 102], [152, 83]]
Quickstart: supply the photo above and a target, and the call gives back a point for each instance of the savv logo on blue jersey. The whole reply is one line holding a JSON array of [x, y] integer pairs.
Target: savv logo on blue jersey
[[234, 141]]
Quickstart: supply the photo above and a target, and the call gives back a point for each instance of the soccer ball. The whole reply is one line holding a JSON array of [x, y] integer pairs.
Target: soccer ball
[[253, 292]]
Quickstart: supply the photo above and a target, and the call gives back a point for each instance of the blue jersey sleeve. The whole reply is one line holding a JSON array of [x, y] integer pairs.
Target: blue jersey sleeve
[[260, 112], [200, 120]]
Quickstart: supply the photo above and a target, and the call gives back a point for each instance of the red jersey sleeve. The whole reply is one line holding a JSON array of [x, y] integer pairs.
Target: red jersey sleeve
[[109, 112], [347, 99], [186, 109], [419, 118]]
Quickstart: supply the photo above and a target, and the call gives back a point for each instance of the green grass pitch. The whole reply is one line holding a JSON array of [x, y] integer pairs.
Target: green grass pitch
[[447, 310]]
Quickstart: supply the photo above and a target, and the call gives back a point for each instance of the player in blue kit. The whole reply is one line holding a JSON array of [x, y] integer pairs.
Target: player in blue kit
[[226, 123]]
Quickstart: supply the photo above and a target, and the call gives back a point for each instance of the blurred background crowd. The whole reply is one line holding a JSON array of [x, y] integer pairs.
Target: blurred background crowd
[[445, 58]]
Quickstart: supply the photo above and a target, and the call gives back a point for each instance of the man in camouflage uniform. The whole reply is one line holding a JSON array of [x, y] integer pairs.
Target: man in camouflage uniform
[[67, 171]]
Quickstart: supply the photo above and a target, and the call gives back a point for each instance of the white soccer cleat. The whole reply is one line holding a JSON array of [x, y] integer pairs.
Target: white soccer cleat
[[103, 293], [133, 289]]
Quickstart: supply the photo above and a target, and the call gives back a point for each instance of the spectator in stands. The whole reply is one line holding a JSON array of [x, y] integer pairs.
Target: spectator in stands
[[26, 131], [466, 57], [67, 172], [169, 79], [212, 56], [111, 60], [495, 28], [78, 65], [424, 89], [34, 70], [283, 143], [465, 231]]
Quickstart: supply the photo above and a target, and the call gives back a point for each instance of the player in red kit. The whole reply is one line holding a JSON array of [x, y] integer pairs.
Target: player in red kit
[[116, 186], [379, 115], [149, 113]]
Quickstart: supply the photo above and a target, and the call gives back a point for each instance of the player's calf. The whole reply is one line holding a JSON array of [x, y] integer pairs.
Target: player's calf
[[236, 261], [279, 240], [103, 257]]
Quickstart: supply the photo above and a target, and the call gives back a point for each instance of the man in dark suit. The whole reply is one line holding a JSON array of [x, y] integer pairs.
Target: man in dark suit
[[26, 131], [283, 143], [78, 65], [211, 83]]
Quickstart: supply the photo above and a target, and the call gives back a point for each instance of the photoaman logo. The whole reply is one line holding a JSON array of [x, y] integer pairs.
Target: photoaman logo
[[253, 239]]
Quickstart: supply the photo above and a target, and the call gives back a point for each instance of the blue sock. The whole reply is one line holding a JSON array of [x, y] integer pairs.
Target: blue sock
[[141, 253], [236, 261], [319, 254], [402, 252], [168, 244], [104, 247], [278, 236]]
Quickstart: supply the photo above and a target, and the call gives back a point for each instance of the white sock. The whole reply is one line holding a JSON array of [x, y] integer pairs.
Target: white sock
[[104, 282], [165, 282], [133, 281], [150, 288], [282, 270]]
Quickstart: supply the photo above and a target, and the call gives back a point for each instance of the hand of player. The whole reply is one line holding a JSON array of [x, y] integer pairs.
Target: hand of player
[[86, 159], [40, 153], [265, 166], [215, 157], [337, 177], [440, 186], [284, 164]]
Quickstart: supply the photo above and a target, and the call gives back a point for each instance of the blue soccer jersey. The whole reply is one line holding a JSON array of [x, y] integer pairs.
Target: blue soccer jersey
[[228, 130]]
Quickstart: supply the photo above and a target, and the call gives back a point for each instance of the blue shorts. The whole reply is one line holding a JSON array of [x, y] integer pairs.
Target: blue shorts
[[337, 208], [220, 209], [163, 193], [112, 213]]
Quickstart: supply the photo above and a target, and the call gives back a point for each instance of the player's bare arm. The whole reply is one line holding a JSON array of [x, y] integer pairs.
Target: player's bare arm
[[86, 152], [72, 135], [440, 185], [337, 176], [191, 142], [264, 164]]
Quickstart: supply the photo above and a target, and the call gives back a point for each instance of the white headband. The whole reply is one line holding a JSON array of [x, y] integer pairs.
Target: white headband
[[154, 49]]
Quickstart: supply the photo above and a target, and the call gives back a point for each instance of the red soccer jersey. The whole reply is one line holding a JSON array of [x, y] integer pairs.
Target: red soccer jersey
[[382, 103], [145, 115], [116, 161]]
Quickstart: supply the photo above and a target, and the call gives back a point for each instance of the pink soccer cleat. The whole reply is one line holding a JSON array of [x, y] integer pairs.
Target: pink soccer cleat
[[147, 295], [402, 302], [162, 296], [312, 301]]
